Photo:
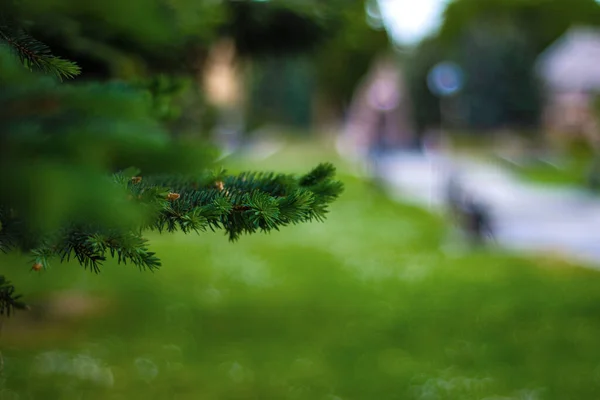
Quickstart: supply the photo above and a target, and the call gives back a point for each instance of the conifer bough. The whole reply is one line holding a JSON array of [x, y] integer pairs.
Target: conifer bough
[[242, 204], [67, 191]]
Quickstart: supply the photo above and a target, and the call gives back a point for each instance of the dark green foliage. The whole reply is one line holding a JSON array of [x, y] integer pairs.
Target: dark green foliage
[[261, 28]]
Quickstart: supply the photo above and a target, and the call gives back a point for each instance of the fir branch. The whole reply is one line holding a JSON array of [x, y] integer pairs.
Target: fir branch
[[263, 212], [125, 247], [296, 207], [275, 184], [91, 246], [13, 235], [242, 204], [76, 245], [236, 204], [9, 301], [35, 55], [246, 203], [322, 173]]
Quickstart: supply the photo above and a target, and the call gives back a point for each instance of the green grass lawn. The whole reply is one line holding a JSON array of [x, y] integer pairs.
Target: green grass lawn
[[363, 306], [573, 171]]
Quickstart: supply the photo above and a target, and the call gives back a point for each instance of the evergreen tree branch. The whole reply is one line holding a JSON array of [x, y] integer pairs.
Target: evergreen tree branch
[[255, 202], [245, 203], [59, 147], [35, 55]]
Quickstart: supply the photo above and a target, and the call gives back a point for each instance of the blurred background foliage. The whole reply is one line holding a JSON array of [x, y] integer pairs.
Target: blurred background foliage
[[497, 43], [174, 37], [542, 21], [346, 56], [327, 46]]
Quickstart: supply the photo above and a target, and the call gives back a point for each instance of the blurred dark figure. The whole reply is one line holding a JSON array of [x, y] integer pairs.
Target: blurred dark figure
[[471, 215]]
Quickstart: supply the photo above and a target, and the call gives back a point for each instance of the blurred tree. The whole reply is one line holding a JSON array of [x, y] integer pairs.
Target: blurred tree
[[308, 48], [501, 89], [426, 106], [345, 56], [173, 35], [497, 42], [72, 158], [174, 38], [276, 28], [281, 92], [541, 21]]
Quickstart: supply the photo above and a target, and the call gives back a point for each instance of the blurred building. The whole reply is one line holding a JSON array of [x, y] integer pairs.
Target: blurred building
[[571, 76]]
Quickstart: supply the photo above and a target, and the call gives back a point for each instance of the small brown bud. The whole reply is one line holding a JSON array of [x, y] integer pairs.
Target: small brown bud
[[173, 196], [219, 185], [37, 267], [136, 179]]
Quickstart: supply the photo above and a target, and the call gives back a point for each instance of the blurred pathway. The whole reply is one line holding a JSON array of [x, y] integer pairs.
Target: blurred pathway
[[526, 216]]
